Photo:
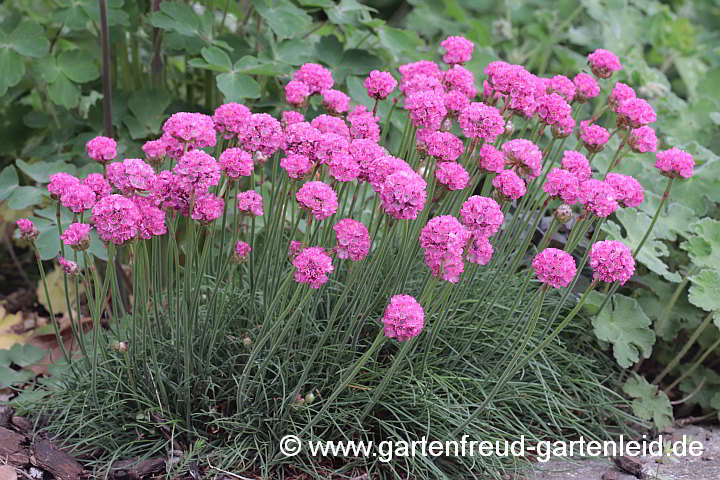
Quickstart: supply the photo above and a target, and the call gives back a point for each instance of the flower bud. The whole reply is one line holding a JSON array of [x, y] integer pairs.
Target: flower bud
[[509, 128], [563, 213], [120, 347], [247, 342], [241, 253], [260, 158], [27, 229], [309, 398], [69, 268]]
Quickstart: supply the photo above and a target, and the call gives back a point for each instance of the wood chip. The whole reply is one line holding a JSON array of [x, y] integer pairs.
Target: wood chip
[[138, 470], [58, 462], [12, 449]]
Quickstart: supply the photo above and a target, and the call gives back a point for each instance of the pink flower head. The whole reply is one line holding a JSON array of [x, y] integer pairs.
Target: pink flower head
[[635, 113], [460, 79], [553, 108], [198, 169], [382, 167], [422, 83], [603, 63], [264, 134], [236, 163], [455, 102], [335, 101], [511, 80], [59, 182], [480, 250], [330, 124], [296, 93], [28, 231], [563, 86], [481, 121], [208, 207], [78, 198], [524, 157], [598, 197], [69, 267], [152, 218], [577, 164], [316, 77], [344, 167], [131, 175], [482, 216], [620, 93], [379, 84], [294, 248], [168, 191], [509, 185], [490, 159], [611, 261], [155, 151], [562, 184], [585, 87], [173, 147], [642, 140], [291, 116], [363, 124], [594, 137], [457, 50], [97, 184], [427, 109], [443, 240], [77, 236], [296, 165], [403, 194], [421, 137], [250, 203], [452, 175], [404, 318], [312, 266], [563, 128], [554, 267], [195, 129], [241, 254], [423, 67], [301, 138], [231, 119], [365, 151], [101, 149], [353, 239], [444, 146], [116, 219], [628, 191], [675, 163], [328, 146], [318, 199]]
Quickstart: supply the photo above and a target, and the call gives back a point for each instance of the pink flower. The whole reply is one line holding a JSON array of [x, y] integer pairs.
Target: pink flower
[[77, 236], [603, 63], [585, 87], [315, 76], [353, 239], [264, 134], [382, 167], [69, 268], [195, 129], [594, 137], [28, 231], [455, 102], [482, 216], [563, 128], [379, 84], [443, 240], [328, 146], [116, 219], [481, 121], [480, 250], [290, 116], [628, 191], [173, 147], [562, 184], [444, 146], [598, 197], [335, 101], [427, 109], [241, 253], [457, 50], [198, 169], [511, 80], [643, 140], [168, 191], [329, 124], [611, 261], [490, 159], [98, 184], [563, 86], [152, 219], [509, 185], [403, 194], [296, 165], [250, 203], [553, 108], [460, 79], [421, 137], [620, 93], [404, 318], [301, 138], [294, 248], [101, 149], [318, 199], [78, 198], [422, 83], [365, 151], [524, 157], [131, 175], [635, 113], [344, 167], [236, 163], [59, 182], [554, 267], [231, 119], [675, 163], [423, 67], [452, 175], [296, 93], [363, 124], [577, 164], [155, 151], [208, 207], [312, 266]]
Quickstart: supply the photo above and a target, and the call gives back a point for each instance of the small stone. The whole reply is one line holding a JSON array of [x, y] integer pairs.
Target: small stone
[[610, 475]]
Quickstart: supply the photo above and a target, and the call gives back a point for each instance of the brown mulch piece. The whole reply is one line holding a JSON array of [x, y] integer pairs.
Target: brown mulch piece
[[138, 469], [630, 465]]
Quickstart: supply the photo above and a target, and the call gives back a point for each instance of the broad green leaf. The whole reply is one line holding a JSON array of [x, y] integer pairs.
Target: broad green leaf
[[399, 41], [148, 109], [705, 290], [702, 382], [76, 66], [649, 403], [12, 69], [176, 16], [25, 355], [41, 171], [704, 247], [356, 62], [624, 324], [654, 299], [23, 197], [237, 86], [329, 50], [10, 377], [348, 12], [8, 181], [294, 52], [254, 66], [283, 18], [216, 59], [63, 92], [28, 39]]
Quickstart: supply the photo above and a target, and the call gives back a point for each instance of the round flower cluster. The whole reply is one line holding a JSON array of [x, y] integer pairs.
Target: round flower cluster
[[363, 124], [263, 134], [208, 207], [250, 203], [130, 175], [296, 93], [585, 87], [478, 120], [603, 63], [577, 164], [316, 77], [675, 163], [508, 185], [642, 140], [318, 199], [460, 79], [312, 266], [28, 230], [554, 267], [523, 156], [116, 219], [634, 113], [611, 261], [101, 149], [444, 240], [78, 198], [300, 138], [59, 183], [379, 84], [404, 318], [241, 254], [452, 175], [68, 267], [457, 50], [482, 216], [594, 137], [198, 169], [563, 86], [291, 116], [620, 93], [480, 250], [455, 102], [444, 146], [598, 197], [403, 194], [562, 184], [427, 109], [296, 165], [193, 129], [236, 163], [230, 119], [353, 239], [77, 236], [335, 101], [97, 184], [553, 109], [155, 151], [628, 191], [382, 167], [365, 151], [152, 219], [344, 167], [490, 159]]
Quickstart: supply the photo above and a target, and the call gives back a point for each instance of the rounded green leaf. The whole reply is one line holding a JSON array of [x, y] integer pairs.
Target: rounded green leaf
[[237, 86], [76, 66], [705, 290], [28, 39]]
